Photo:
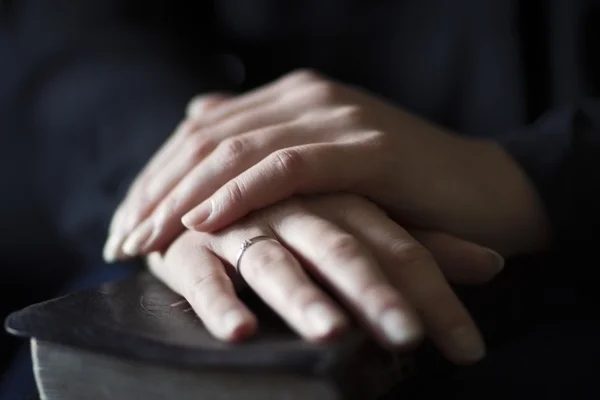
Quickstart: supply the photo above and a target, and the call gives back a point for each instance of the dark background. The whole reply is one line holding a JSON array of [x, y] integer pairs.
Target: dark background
[[26, 238]]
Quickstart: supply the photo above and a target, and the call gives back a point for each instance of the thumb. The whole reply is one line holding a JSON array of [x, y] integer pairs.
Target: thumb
[[461, 261]]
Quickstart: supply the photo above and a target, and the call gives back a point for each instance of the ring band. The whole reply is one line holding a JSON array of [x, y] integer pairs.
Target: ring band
[[245, 245]]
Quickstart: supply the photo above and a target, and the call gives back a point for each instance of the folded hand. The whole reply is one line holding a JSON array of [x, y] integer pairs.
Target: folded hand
[[308, 134], [391, 281]]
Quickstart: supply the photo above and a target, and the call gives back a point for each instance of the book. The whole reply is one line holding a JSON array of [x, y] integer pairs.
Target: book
[[136, 339]]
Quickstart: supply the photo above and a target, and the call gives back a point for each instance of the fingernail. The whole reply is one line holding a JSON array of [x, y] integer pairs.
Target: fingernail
[[468, 343], [111, 248], [498, 260], [137, 239], [158, 224], [323, 319], [145, 245], [398, 328], [195, 218], [161, 217]]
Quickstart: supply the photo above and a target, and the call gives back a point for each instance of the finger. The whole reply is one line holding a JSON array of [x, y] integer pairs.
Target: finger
[[203, 103], [188, 178], [187, 181], [341, 262], [134, 208], [277, 277], [414, 271], [251, 101], [264, 107], [200, 277], [135, 201], [231, 158], [310, 168], [198, 106], [461, 261], [162, 183], [188, 127], [139, 201], [214, 108], [111, 249]]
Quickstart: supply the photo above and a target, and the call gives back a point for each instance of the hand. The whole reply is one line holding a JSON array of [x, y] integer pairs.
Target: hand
[[307, 134], [389, 281]]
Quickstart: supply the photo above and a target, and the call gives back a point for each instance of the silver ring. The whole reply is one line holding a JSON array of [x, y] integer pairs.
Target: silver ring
[[247, 243]]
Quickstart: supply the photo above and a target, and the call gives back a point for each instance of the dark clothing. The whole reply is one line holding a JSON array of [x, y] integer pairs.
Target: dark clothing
[[106, 81], [103, 83]]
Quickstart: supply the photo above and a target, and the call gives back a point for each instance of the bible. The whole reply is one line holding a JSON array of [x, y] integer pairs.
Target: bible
[[136, 339]]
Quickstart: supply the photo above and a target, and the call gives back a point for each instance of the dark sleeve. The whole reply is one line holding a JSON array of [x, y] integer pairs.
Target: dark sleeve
[[105, 82], [561, 155]]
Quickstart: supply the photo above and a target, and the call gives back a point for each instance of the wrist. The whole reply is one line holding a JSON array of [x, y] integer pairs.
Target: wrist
[[518, 222]]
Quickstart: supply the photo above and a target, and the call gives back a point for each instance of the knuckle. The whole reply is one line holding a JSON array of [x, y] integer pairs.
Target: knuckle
[[194, 106], [343, 248], [232, 149], [199, 104], [195, 100], [266, 261], [287, 162], [322, 92], [234, 193], [351, 114], [408, 254], [302, 76]]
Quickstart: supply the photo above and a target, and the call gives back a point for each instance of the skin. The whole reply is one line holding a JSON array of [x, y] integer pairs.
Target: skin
[[229, 172], [308, 134], [382, 277]]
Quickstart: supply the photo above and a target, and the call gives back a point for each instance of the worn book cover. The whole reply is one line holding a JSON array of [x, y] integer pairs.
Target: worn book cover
[[139, 320]]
